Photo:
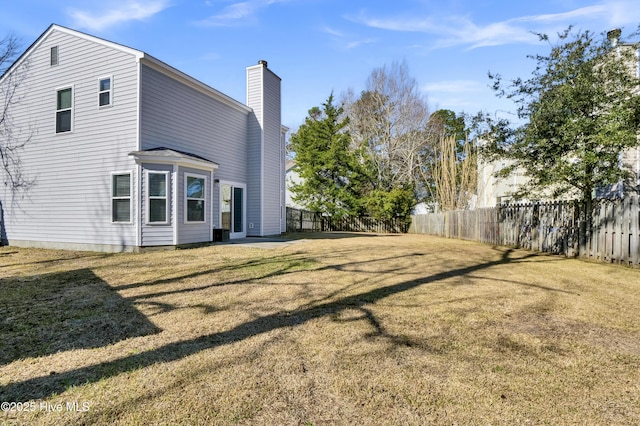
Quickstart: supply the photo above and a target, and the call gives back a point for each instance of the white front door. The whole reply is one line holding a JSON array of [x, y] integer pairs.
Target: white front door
[[232, 209]]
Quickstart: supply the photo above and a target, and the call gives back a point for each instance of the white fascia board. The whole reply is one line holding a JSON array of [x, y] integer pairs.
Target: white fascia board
[[173, 158]]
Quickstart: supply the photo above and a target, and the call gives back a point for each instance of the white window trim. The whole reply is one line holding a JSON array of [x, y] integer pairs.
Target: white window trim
[[111, 197], [149, 197], [233, 184], [72, 109], [110, 104], [185, 199]]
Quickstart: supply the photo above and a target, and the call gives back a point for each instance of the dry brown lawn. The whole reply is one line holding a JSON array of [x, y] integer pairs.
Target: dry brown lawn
[[335, 329]]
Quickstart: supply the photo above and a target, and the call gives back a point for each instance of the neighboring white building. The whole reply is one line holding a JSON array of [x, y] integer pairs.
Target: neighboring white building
[[129, 152], [292, 178], [493, 191]]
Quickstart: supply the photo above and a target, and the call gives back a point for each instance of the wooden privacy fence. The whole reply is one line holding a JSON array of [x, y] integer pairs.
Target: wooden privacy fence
[[304, 220], [605, 230]]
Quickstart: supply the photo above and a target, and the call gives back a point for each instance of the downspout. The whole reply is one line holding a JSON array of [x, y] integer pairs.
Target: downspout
[[138, 197]]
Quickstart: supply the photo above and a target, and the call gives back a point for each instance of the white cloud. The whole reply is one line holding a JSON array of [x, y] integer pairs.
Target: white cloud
[[333, 32], [583, 12], [241, 13], [461, 30], [123, 12], [346, 41], [357, 43]]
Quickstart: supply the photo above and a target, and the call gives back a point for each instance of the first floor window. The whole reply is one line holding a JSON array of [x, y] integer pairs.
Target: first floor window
[[157, 196], [64, 108], [195, 198], [121, 197]]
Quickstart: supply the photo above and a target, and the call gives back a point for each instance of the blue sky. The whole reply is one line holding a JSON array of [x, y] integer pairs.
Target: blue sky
[[322, 46]]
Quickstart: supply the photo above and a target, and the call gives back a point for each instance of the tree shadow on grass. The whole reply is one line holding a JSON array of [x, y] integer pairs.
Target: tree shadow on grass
[[44, 386], [55, 312]]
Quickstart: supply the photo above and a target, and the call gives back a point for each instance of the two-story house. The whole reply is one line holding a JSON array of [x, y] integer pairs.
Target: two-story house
[[125, 151]]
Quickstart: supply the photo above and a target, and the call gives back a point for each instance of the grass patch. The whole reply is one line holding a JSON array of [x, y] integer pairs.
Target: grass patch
[[355, 330]]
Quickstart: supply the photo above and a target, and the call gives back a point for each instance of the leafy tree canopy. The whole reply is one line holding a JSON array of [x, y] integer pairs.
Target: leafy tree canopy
[[581, 111]]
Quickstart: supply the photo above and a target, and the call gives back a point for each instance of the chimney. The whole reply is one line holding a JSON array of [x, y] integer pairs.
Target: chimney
[[614, 36], [263, 62]]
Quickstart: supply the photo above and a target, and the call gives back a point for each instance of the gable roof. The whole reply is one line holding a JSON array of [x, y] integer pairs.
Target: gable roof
[[140, 57]]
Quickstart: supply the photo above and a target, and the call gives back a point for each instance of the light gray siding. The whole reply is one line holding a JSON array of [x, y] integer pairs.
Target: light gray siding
[[70, 200], [254, 153], [631, 162], [264, 155], [273, 162], [193, 232], [157, 234], [178, 116]]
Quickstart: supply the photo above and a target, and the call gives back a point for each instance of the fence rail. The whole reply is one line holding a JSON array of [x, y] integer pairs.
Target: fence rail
[[304, 220], [605, 230]]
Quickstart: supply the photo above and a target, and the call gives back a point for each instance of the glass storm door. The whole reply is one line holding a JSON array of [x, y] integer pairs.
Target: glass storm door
[[232, 210]]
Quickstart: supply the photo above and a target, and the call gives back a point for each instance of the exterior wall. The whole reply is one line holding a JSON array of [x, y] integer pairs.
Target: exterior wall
[[266, 153], [254, 152], [631, 161], [292, 178], [491, 190], [158, 234], [192, 232], [178, 116], [283, 179], [69, 204], [273, 156]]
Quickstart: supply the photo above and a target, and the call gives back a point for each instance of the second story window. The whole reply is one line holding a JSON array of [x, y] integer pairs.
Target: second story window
[[54, 56], [64, 110], [104, 92]]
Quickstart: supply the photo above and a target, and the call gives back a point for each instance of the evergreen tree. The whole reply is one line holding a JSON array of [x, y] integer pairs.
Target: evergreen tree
[[330, 175]]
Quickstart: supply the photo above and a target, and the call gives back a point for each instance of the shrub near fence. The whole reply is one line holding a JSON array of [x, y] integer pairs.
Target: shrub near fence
[[303, 220], [605, 230]]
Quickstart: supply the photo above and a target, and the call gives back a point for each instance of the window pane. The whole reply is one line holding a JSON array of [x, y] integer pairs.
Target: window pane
[[105, 84], [121, 210], [195, 211], [195, 187], [157, 210], [104, 98], [54, 55], [157, 185], [63, 121], [64, 99], [237, 209], [121, 185]]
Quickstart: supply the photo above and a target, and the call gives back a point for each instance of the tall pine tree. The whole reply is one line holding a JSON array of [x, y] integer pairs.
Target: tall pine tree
[[330, 174]]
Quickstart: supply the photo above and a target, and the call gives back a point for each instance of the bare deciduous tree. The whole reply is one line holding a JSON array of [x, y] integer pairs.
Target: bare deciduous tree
[[13, 138], [389, 125], [454, 173]]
